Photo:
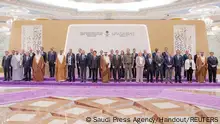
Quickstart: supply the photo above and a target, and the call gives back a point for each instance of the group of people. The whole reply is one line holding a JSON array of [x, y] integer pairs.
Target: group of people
[[117, 65]]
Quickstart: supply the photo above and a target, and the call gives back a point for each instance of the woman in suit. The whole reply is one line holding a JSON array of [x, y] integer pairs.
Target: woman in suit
[[189, 67], [140, 62]]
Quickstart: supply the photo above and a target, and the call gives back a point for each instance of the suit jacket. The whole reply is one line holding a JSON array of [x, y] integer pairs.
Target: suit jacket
[[159, 61], [145, 56], [44, 54], [77, 57], [116, 62], [212, 61], [52, 56], [178, 62], [154, 54], [95, 62], [139, 62], [164, 54], [27, 62], [6, 62], [148, 65], [185, 57], [169, 62], [89, 58], [195, 58], [83, 62], [72, 59]]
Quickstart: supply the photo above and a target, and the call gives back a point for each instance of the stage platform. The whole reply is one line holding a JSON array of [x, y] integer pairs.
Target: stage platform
[[48, 82]]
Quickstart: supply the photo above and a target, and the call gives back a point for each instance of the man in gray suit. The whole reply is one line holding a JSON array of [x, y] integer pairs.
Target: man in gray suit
[[128, 62], [159, 60], [116, 64]]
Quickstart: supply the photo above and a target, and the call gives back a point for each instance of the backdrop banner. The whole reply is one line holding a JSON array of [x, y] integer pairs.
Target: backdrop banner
[[185, 38], [107, 36]]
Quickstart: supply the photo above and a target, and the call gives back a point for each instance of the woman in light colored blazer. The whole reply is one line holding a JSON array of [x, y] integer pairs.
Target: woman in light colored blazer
[[190, 67], [140, 62]]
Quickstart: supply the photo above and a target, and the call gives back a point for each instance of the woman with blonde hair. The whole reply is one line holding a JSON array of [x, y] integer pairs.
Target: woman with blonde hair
[[189, 67]]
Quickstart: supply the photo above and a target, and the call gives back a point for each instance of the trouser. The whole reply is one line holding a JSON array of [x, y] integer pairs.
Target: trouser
[[178, 73], [78, 70], [52, 69], [11, 72], [169, 72], [83, 74], [164, 71], [94, 74], [116, 74], [90, 72], [128, 72], [27, 73], [100, 73], [150, 75], [7, 73], [134, 71], [189, 74], [185, 73], [71, 73], [111, 72], [212, 74], [139, 72], [122, 72], [159, 72]]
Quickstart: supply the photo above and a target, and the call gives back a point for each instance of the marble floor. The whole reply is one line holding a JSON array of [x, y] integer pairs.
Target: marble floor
[[110, 105]]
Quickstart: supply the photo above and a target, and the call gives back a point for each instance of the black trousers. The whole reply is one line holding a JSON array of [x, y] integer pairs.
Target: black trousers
[[212, 74], [94, 74], [150, 75], [7, 73], [189, 74], [78, 70], [71, 73], [83, 74], [90, 72], [159, 72], [11, 71], [52, 69], [122, 72], [134, 71], [178, 73], [164, 70], [27, 73], [111, 72], [116, 74]]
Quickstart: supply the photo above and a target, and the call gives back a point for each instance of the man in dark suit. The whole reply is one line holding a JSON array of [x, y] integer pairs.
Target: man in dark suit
[[27, 62], [169, 67], [70, 61], [165, 55], [149, 67], [116, 64], [178, 63], [89, 57], [83, 65], [185, 57], [154, 54], [52, 56], [145, 55], [212, 67], [77, 61], [11, 70], [134, 54], [6, 65], [111, 60], [195, 58], [95, 66], [44, 54], [159, 60]]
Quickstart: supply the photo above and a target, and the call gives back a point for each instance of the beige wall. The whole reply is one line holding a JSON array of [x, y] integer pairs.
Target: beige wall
[[160, 32]]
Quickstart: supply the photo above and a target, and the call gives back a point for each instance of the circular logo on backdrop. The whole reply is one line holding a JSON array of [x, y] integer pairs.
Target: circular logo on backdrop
[[107, 33]]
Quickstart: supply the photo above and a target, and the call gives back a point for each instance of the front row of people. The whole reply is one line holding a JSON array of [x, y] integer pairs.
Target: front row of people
[[146, 66]]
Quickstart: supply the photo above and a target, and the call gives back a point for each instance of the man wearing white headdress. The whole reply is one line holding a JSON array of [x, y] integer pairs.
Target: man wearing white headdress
[[38, 66], [16, 63], [60, 69]]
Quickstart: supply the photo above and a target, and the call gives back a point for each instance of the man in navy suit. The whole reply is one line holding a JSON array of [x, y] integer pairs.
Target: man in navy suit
[[169, 68], [70, 61], [89, 58], [44, 54], [83, 65], [212, 67], [116, 64], [178, 63], [27, 64], [52, 56], [95, 66], [165, 55], [6, 64], [149, 67], [77, 61]]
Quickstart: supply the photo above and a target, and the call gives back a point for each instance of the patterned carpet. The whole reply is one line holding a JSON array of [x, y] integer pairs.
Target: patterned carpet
[[110, 105]]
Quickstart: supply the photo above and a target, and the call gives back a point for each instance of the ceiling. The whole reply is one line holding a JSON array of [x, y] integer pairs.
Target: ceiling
[[109, 9]]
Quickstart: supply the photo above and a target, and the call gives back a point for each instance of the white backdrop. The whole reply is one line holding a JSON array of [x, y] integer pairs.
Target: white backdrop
[[107, 36]]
